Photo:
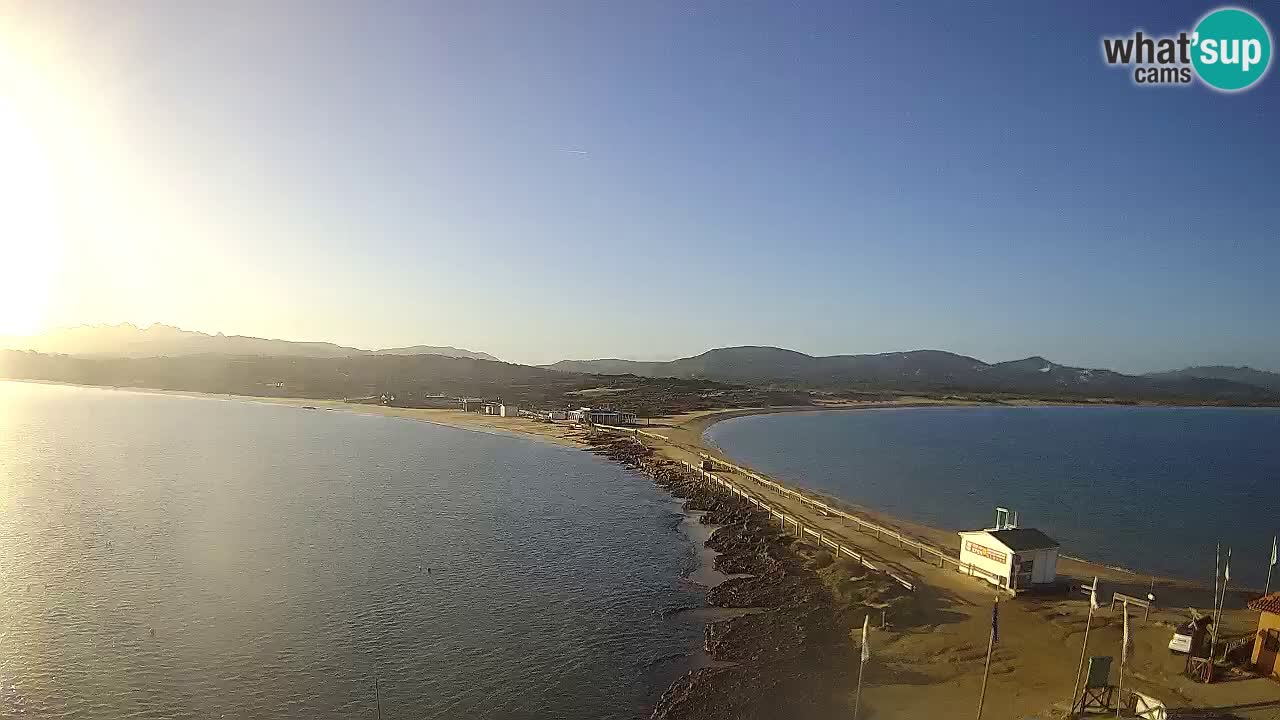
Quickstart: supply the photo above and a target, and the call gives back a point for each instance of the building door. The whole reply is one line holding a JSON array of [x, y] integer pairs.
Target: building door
[[1023, 568], [1270, 640]]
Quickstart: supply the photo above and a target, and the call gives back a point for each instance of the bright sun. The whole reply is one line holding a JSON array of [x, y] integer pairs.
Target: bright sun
[[30, 237]]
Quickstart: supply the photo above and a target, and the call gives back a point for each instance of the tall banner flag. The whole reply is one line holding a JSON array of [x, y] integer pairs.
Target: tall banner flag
[[866, 655], [866, 646], [1084, 646], [1124, 657], [1128, 639], [1217, 570], [1267, 589]]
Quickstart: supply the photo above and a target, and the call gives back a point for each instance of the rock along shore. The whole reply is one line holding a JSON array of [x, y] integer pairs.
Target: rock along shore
[[798, 658]]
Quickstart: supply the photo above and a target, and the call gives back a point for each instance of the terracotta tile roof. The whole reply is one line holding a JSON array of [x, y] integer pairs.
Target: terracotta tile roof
[[1267, 603]]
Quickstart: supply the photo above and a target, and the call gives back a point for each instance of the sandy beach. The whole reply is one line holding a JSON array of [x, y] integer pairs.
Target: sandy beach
[[930, 665]]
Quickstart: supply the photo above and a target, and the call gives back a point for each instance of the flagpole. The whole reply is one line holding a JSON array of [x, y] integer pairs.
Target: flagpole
[[991, 643], [857, 699], [1124, 656], [1120, 689], [1226, 578], [862, 663], [1217, 579], [1075, 689]]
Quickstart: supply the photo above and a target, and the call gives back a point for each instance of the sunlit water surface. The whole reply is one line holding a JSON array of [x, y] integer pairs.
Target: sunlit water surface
[[176, 557]]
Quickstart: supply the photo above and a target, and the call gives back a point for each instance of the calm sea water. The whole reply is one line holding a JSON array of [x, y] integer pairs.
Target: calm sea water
[[172, 557], [1146, 488]]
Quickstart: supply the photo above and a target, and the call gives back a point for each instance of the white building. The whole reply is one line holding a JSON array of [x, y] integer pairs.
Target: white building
[[1011, 558], [602, 417], [508, 410]]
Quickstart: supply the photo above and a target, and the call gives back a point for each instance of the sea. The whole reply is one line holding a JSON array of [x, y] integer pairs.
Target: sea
[[1151, 489], [167, 556]]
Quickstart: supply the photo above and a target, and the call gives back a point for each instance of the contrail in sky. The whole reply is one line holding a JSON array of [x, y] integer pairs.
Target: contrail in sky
[[575, 152]]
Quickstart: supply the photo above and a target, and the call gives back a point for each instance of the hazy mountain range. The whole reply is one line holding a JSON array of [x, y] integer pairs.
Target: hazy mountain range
[[936, 370], [770, 368], [158, 340], [1246, 375]]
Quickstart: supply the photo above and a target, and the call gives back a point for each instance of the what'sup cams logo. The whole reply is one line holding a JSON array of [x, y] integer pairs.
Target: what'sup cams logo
[[1229, 50]]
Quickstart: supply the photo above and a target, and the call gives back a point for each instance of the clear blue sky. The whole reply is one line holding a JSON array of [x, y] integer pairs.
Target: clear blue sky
[[831, 178]]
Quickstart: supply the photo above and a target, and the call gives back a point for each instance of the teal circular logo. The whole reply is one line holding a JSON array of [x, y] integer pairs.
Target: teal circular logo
[[1232, 49]]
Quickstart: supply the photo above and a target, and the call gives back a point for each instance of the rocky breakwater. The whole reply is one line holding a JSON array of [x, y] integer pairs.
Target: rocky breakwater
[[798, 658]]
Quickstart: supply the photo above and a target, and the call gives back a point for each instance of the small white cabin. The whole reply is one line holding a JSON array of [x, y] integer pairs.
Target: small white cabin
[[1013, 559], [508, 410]]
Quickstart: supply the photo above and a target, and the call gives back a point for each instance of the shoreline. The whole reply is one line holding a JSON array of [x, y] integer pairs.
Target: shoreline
[[689, 434], [927, 651], [923, 658], [684, 431], [773, 641]]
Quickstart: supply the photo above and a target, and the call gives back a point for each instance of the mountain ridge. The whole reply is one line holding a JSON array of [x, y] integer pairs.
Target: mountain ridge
[[159, 340], [1243, 373], [931, 370]]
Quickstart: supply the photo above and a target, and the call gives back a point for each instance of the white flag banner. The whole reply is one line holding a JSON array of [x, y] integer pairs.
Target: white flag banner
[[1093, 594], [1217, 568], [1226, 574], [1273, 550], [1128, 639], [866, 646]]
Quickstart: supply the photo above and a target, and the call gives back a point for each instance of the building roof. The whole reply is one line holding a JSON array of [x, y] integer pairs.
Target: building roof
[[1267, 604], [1019, 539]]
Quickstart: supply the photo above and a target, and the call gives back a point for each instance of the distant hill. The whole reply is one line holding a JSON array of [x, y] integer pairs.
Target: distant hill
[[159, 340], [1246, 375], [419, 380], [446, 351], [925, 370]]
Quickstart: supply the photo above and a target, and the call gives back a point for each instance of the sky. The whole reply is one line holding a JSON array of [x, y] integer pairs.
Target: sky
[[557, 180]]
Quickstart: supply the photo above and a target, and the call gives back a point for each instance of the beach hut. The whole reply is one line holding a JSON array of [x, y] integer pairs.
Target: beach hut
[[508, 410], [1011, 558], [1266, 645]]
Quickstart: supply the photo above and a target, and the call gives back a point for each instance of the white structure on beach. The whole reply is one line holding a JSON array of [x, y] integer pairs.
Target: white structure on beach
[[1011, 558], [508, 410], [602, 417]]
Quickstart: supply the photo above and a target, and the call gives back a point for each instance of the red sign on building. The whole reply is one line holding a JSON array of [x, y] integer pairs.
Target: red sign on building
[[985, 552]]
